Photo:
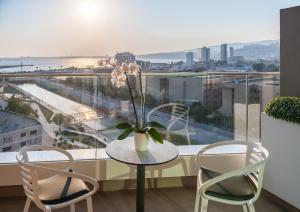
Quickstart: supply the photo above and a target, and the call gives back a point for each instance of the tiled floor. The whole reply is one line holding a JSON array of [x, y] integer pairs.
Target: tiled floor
[[157, 200]]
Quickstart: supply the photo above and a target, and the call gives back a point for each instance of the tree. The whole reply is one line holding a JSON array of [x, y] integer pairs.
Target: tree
[[259, 66], [58, 119], [198, 111], [18, 106]]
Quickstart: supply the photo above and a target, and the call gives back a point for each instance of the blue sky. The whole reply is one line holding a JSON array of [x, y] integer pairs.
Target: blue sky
[[99, 27]]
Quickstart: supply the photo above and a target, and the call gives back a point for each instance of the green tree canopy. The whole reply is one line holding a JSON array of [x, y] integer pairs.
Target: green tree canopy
[[18, 106], [58, 119]]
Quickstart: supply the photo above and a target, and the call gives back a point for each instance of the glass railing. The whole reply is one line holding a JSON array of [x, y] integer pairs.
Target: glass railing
[[79, 111]]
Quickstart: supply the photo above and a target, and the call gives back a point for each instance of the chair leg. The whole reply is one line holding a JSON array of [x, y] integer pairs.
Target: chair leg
[[168, 137], [27, 205], [188, 136], [89, 204], [251, 207], [204, 205], [72, 208], [245, 209], [47, 210], [197, 201]]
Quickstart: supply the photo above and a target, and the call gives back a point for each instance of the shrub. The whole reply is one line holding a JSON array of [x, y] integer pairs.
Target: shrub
[[285, 108]]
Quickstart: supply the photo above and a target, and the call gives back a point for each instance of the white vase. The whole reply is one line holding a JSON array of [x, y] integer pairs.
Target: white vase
[[141, 141]]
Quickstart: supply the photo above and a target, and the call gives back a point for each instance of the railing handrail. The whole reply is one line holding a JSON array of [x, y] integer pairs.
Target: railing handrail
[[177, 74]]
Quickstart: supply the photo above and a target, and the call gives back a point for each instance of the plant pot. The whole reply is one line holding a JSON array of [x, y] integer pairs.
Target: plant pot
[[141, 141]]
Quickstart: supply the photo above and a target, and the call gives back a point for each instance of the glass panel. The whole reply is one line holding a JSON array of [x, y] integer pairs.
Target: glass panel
[[80, 112]]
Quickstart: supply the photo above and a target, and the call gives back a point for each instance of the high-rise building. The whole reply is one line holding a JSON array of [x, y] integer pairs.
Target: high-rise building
[[231, 52], [205, 54], [124, 57], [189, 59], [223, 53]]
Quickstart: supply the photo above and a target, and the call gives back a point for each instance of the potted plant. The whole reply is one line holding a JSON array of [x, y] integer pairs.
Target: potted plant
[[142, 130], [280, 134]]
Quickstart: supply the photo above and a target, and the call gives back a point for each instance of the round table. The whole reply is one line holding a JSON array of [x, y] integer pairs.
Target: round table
[[124, 152]]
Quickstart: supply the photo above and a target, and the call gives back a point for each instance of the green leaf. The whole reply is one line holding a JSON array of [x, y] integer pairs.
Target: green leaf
[[155, 135], [125, 133], [155, 124], [124, 125]]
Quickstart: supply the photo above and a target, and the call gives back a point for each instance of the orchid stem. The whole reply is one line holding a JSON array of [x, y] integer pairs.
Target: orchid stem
[[133, 104], [142, 100]]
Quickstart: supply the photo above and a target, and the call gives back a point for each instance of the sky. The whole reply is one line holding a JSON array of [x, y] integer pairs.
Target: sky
[[104, 27]]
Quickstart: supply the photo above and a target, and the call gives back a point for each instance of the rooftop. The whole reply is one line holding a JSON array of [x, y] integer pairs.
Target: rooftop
[[10, 121]]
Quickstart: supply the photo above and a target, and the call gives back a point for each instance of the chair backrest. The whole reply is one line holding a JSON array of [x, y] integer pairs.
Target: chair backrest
[[29, 174], [179, 115], [255, 158]]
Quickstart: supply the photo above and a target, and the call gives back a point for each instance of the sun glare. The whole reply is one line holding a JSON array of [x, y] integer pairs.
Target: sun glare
[[89, 9]]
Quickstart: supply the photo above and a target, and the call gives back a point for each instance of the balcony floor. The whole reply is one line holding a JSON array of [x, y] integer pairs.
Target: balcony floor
[[175, 200]]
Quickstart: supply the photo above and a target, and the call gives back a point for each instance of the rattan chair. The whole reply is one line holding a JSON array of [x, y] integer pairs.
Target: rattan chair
[[63, 188], [240, 186]]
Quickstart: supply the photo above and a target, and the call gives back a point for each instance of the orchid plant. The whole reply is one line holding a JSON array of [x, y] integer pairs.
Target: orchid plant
[[119, 78]]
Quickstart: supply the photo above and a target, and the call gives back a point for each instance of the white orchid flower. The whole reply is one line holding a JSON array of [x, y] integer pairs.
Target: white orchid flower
[[113, 62], [134, 69], [118, 78], [124, 68]]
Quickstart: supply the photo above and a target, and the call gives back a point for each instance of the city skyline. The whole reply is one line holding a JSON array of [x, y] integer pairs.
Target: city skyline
[[90, 28]]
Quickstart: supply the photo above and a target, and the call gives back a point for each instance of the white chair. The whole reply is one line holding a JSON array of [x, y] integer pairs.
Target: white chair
[[238, 186], [177, 123], [63, 188]]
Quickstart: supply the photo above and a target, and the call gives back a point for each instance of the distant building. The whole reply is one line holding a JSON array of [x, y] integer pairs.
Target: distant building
[[143, 64], [124, 57], [231, 52], [205, 54], [17, 131], [223, 53], [189, 59], [235, 59], [260, 92], [160, 66]]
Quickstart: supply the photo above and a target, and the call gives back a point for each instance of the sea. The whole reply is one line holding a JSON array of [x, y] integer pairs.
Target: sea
[[46, 63], [51, 63]]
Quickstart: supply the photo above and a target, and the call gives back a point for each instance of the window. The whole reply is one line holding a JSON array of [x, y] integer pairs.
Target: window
[[33, 132], [23, 134], [7, 140], [6, 149], [23, 143]]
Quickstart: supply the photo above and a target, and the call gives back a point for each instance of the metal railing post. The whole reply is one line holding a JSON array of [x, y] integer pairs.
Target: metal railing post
[[246, 102]]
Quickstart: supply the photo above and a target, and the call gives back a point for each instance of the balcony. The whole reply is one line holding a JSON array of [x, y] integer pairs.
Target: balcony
[[71, 113], [78, 111]]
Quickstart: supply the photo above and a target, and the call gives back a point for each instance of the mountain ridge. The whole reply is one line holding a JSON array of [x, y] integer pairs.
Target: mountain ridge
[[264, 49]]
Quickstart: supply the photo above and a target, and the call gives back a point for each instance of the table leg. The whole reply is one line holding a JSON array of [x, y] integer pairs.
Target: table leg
[[140, 188]]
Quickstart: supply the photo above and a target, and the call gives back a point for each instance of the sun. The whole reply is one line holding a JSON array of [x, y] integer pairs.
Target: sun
[[89, 9]]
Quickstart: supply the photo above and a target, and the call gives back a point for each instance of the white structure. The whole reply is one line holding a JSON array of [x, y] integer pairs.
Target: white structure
[[223, 54], [282, 172], [17, 131], [3, 103], [189, 59], [124, 57], [231, 52], [205, 54]]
